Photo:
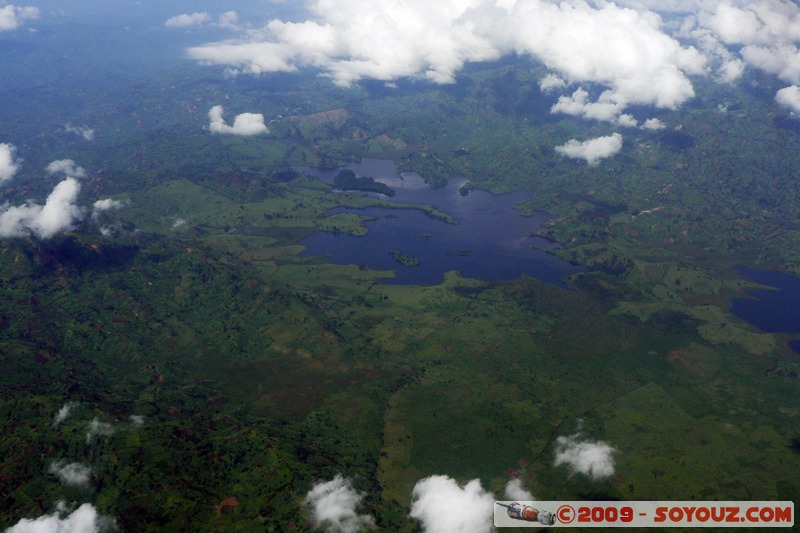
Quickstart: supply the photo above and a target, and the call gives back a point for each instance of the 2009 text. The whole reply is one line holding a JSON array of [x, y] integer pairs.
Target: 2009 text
[[647, 513]]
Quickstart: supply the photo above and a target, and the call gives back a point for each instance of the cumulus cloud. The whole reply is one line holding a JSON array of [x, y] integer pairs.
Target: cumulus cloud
[[730, 70], [85, 519], [9, 165], [763, 35], [593, 150], [229, 20], [12, 17], [62, 414], [444, 506], [789, 97], [351, 40], [70, 473], [664, 6], [84, 131], [186, 20], [766, 23], [243, 124], [551, 82], [98, 429], [105, 204], [627, 121], [623, 47], [653, 124], [333, 507], [58, 214], [515, 491], [136, 420], [625, 50], [591, 458], [578, 104], [66, 167]]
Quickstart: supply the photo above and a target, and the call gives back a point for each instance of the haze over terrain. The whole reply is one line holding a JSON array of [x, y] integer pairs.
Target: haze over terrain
[[172, 357]]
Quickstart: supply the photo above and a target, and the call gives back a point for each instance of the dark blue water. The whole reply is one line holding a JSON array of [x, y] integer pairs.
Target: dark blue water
[[495, 236], [774, 311]]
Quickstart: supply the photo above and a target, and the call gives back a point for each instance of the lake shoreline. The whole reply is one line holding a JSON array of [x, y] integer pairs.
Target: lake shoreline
[[426, 223], [772, 310]]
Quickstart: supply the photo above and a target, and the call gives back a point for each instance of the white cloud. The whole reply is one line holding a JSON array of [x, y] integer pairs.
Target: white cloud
[[98, 429], [85, 519], [333, 507], [351, 40], [551, 82], [59, 213], [624, 50], [136, 420], [243, 124], [84, 131], [70, 473], [63, 413], [665, 6], [229, 20], [730, 70], [66, 167], [733, 25], [9, 165], [763, 34], [515, 491], [627, 121], [591, 458], [252, 57], [624, 47], [789, 97], [653, 124], [12, 17], [593, 150], [578, 105], [443, 506], [185, 20], [105, 204]]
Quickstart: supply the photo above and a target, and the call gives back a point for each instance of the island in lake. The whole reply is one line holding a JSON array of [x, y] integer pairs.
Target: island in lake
[[346, 179], [403, 259]]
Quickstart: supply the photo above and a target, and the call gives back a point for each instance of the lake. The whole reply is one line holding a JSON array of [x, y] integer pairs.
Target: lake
[[773, 311], [491, 242]]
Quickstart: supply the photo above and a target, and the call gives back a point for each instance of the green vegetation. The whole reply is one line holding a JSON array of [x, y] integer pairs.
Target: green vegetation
[[259, 371], [346, 179], [404, 259]]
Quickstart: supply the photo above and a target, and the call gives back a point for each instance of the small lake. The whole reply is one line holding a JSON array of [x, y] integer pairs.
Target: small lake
[[492, 241], [773, 311]]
